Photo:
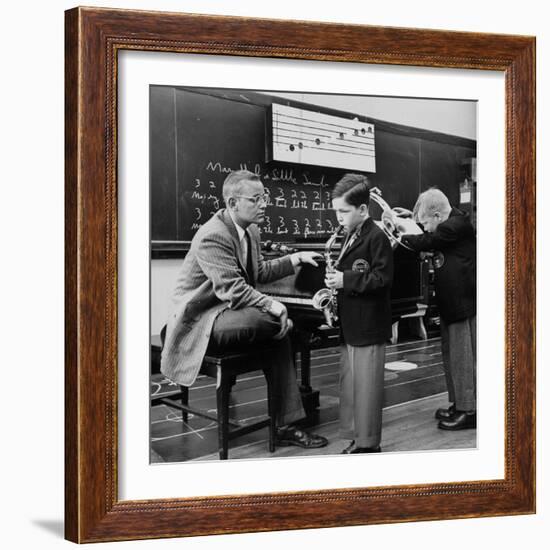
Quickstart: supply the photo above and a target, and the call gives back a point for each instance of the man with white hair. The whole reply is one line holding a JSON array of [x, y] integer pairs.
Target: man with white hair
[[450, 236]]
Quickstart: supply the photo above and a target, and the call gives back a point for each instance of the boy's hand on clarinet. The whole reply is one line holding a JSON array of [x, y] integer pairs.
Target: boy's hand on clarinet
[[335, 279]]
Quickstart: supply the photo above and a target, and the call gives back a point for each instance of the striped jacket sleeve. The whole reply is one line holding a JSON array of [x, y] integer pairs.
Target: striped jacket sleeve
[[216, 257]]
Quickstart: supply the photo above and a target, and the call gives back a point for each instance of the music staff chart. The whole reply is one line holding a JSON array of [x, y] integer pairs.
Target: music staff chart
[[309, 137]]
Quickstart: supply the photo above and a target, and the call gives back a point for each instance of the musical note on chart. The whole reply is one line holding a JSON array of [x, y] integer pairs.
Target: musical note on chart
[[312, 138]]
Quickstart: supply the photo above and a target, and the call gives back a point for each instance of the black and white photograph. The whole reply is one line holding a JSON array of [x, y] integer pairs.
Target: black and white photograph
[[313, 274]]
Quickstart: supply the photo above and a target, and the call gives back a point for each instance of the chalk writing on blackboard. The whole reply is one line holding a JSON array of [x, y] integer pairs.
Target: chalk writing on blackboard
[[298, 206]]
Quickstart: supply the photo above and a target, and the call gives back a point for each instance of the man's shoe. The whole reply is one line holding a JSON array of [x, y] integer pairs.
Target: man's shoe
[[460, 421], [299, 438], [358, 450], [446, 414], [349, 448]]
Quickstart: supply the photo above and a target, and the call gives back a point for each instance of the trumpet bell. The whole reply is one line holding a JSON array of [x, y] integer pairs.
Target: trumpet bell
[[390, 226], [389, 220]]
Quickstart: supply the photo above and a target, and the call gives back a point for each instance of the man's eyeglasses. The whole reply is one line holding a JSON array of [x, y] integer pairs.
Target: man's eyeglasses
[[257, 200]]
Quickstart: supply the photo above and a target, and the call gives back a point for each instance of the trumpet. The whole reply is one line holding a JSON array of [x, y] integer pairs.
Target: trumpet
[[325, 299], [389, 220]]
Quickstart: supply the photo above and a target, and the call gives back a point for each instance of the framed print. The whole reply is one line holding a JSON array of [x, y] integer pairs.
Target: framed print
[[162, 111]]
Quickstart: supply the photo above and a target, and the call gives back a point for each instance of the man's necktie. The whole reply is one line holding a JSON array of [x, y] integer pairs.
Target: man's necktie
[[249, 268]]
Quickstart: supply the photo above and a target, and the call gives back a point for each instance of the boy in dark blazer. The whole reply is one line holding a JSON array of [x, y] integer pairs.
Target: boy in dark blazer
[[451, 237], [363, 278]]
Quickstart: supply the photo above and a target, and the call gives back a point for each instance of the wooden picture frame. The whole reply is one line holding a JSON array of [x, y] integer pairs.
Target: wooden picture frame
[[93, 39]]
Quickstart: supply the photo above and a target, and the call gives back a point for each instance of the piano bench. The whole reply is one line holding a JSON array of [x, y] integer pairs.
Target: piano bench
[[224, 368]]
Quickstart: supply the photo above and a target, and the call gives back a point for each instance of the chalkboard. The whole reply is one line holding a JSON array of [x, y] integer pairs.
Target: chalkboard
[[299, 205], [212, 139], [197, 138]]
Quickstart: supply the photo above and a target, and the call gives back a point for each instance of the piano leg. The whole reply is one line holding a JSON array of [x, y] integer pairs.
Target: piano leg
[[310, 397], [305, 356]]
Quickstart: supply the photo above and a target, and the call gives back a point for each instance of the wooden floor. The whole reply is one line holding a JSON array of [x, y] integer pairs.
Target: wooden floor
[[410, 399]]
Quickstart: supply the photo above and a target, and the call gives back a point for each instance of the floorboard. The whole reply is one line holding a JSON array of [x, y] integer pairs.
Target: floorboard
[[410, 399]]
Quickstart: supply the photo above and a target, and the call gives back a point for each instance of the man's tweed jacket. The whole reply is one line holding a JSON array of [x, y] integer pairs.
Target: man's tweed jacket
[[211, 279]]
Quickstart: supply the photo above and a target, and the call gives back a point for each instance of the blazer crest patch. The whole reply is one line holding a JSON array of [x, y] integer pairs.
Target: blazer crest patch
[[361, 266]]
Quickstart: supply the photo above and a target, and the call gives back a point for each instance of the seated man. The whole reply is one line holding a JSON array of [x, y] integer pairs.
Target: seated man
[[215, 305]]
